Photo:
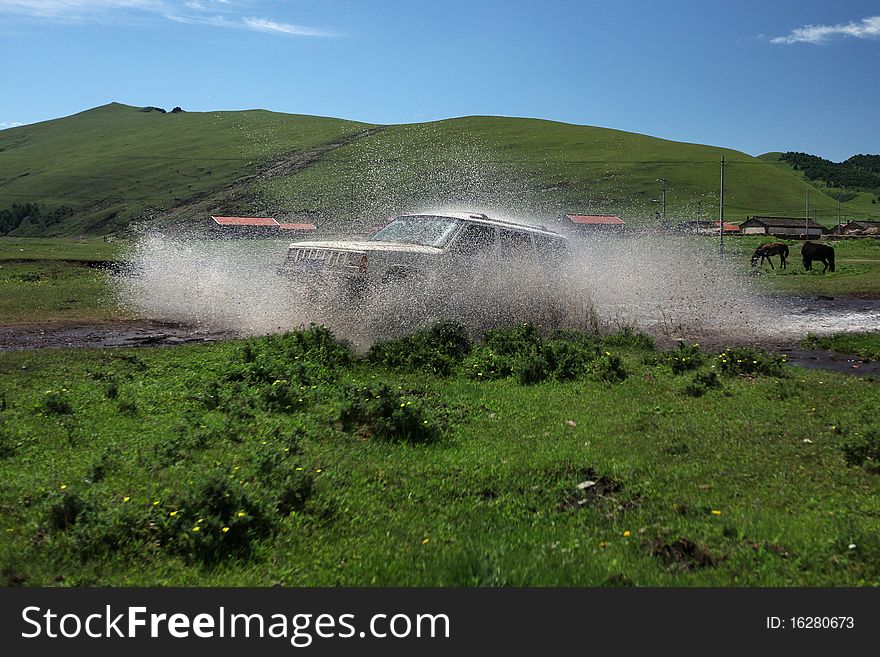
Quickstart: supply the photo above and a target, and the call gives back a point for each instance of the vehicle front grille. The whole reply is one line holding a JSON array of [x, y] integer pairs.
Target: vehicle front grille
[[325, 257]]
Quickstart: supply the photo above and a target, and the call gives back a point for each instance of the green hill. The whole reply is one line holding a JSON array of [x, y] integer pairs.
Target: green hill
[[116, 163], [97, 171]]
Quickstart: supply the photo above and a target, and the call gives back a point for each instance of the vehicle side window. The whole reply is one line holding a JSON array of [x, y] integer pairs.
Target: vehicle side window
[[516, 244], [475, 239]]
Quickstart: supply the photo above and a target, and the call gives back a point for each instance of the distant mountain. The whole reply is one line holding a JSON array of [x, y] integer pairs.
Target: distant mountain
[[98, 171]]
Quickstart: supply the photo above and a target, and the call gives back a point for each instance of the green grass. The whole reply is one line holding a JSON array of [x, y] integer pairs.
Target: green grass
[[44, 248], [857, 267], [866, 345], [112, 458], [56, 280], [114, 164]]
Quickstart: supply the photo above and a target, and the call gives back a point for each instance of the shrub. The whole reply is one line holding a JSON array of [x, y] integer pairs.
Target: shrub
[[684, 358], [629, 339], [303, 357], [702, 383], [56, 402], [863, 449], [750, 361], [522, 352], [532, 368], [216, 519], [609, 368], [65, 509], [437, 350], [388, 414], [8, 444]]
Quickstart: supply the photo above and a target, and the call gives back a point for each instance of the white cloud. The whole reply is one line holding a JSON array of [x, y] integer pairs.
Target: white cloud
[[72, 8], [266, 25], [867, 28], [215, 13], [9, 124]]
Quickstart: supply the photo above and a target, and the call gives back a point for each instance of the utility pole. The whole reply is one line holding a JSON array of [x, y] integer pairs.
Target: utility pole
[[839, 194], [807, 217], [662, 182], [721, 210]]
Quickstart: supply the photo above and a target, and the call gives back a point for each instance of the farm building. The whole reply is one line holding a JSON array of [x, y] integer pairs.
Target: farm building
[[298, 228], [792, 227], [246, 226], [861, 228], [592, 223], [704, 227]]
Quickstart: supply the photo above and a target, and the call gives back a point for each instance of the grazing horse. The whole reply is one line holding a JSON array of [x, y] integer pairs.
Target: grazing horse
[[821, 252], [767, 250]]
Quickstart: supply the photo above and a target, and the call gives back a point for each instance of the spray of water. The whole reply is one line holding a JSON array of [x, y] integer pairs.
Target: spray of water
[[668, 287]]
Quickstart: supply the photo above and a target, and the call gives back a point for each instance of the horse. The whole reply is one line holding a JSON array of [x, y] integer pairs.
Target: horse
[[821, 252], [767, 250]]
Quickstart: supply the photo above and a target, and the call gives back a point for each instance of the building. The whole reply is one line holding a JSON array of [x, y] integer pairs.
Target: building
[[245, 226], [298, 228], [706, 227], [593, 223], [860, 228], [790, 227]]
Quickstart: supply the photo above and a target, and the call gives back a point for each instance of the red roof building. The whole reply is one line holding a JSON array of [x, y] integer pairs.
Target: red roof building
[[245, 221], [595, 219], [300, 227]]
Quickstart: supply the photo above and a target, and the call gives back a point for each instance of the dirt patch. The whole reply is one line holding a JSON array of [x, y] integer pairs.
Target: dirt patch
[[136, 333], [682, 553], [594, 490]]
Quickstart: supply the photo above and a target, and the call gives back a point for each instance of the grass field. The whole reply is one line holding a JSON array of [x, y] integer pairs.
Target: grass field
[[284, 461], [857, 268], [115, 163], [866, 345], [56, 280]]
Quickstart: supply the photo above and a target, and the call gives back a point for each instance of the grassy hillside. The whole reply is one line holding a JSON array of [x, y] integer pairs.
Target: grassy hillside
[[528, 165], [856, 205], [116, 163]]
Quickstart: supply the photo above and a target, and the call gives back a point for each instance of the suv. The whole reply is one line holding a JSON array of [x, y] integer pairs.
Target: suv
[[423, 248]]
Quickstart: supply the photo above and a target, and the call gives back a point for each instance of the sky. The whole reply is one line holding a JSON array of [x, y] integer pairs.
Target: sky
[[757, 76]]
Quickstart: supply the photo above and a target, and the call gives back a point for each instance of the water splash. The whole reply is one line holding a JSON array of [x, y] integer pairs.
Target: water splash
[[669, 287]]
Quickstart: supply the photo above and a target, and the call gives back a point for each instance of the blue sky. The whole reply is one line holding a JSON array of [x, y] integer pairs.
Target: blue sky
[[752, 75]]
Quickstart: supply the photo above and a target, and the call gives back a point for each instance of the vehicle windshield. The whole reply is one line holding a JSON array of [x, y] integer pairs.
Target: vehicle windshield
[[425, 230]]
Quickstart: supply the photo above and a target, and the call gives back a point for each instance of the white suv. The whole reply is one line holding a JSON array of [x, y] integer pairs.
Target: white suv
[[424, 248]]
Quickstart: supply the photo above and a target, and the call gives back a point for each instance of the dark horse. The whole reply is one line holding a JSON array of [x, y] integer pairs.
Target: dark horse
[[821, 252], [767, 250]]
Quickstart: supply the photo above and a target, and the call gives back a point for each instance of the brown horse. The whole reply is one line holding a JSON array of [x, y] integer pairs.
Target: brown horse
[[767, 250], [821, 252]]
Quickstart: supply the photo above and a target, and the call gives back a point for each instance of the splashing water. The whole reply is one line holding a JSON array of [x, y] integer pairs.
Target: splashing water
[[672, 288]]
